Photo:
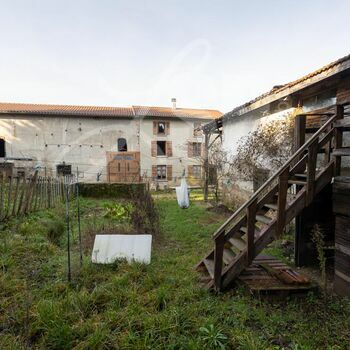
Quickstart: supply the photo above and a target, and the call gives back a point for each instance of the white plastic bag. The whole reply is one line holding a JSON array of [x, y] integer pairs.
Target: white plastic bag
[[182, 194]]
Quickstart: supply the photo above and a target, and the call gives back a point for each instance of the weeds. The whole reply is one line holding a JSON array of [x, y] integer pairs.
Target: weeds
[[213, 338], [158, 306], [317, 237]]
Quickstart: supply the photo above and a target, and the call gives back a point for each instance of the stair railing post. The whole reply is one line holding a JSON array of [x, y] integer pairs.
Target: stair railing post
[[338, 140], [251, 219], [311, 171], [218, 260], [282, 201], [299, 132]]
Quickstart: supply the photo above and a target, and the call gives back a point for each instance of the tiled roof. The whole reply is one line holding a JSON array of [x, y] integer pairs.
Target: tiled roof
[[164, 112], [111, 112], [286, 89], [86, 111]]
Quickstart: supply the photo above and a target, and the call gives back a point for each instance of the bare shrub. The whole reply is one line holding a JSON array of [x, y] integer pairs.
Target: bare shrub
[[268, 147], [145, 216]]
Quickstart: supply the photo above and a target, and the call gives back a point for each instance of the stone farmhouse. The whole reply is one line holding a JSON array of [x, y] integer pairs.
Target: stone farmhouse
[[111, 144], [315, 92]]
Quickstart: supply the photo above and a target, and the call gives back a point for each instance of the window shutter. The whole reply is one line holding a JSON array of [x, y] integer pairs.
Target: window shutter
[[154, 149], [169, 148], [155, 127], [154, 171], [190, 149], [167, 128], [203, 149], [169, 172], [190, 170]]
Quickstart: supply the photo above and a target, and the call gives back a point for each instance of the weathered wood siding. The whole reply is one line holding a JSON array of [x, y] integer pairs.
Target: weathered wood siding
[[341, 207]]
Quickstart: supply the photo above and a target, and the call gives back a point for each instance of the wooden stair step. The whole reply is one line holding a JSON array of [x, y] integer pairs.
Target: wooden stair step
[[264, 219], [228, 256], [209, 264], [301, 175], [297, 182], [344, 151], [343, 123], [272, 206], [244, 229], [238, 243]]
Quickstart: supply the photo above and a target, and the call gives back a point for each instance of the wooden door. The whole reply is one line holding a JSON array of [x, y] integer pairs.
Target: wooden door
[[123, 167]]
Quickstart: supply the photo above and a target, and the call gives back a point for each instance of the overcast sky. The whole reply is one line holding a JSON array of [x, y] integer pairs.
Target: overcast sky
[[207, 54]]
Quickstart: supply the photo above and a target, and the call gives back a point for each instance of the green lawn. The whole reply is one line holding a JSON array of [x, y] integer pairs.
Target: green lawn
[[159, 306]]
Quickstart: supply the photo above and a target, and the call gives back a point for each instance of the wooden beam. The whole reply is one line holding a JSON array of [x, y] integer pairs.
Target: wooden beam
[[338, 140]]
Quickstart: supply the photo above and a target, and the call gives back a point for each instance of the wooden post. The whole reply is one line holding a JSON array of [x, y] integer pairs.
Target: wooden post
[[206, 165], [218, 259], [338, 140], [251, 218], [31, 185], [8, 212], [311, 171], [2, 195], [15, 197], [23, 190], [281, 202], [49, 195], [299, 131]]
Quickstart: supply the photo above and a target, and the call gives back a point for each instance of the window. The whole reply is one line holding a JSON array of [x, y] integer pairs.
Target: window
[[197, 148], [161, 128], [161, 172], [122, 145], [2, 148], [196, 171], [64, 169], [161, 148]]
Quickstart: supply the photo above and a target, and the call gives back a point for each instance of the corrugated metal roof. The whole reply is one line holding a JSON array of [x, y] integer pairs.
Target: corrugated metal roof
[[110, 112]]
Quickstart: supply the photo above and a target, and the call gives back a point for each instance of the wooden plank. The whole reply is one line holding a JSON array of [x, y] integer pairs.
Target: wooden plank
[[218, 259], [341, 152], [23, 188], [9, 197], [338, 140], [251, 215], [15, 196], [282, 201], [2, 195], [209, 264], [311, 171]]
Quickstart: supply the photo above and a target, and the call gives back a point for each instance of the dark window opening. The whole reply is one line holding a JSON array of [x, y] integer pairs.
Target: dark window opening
[[161, 148], [161, 128], [2, 148], [122, 145], [64, 169], [161, 172], [197, 148]]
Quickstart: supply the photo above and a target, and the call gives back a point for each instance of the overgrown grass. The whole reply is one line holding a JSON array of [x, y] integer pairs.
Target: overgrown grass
[[159, 306]]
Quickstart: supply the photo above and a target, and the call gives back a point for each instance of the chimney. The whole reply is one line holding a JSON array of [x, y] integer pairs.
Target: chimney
[[173, 101]]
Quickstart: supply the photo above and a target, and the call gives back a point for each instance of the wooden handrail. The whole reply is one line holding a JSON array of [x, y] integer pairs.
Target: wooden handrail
[[293, 158]]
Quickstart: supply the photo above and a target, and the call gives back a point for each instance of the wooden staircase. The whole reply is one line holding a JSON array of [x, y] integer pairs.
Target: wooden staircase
[[283, 196]]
